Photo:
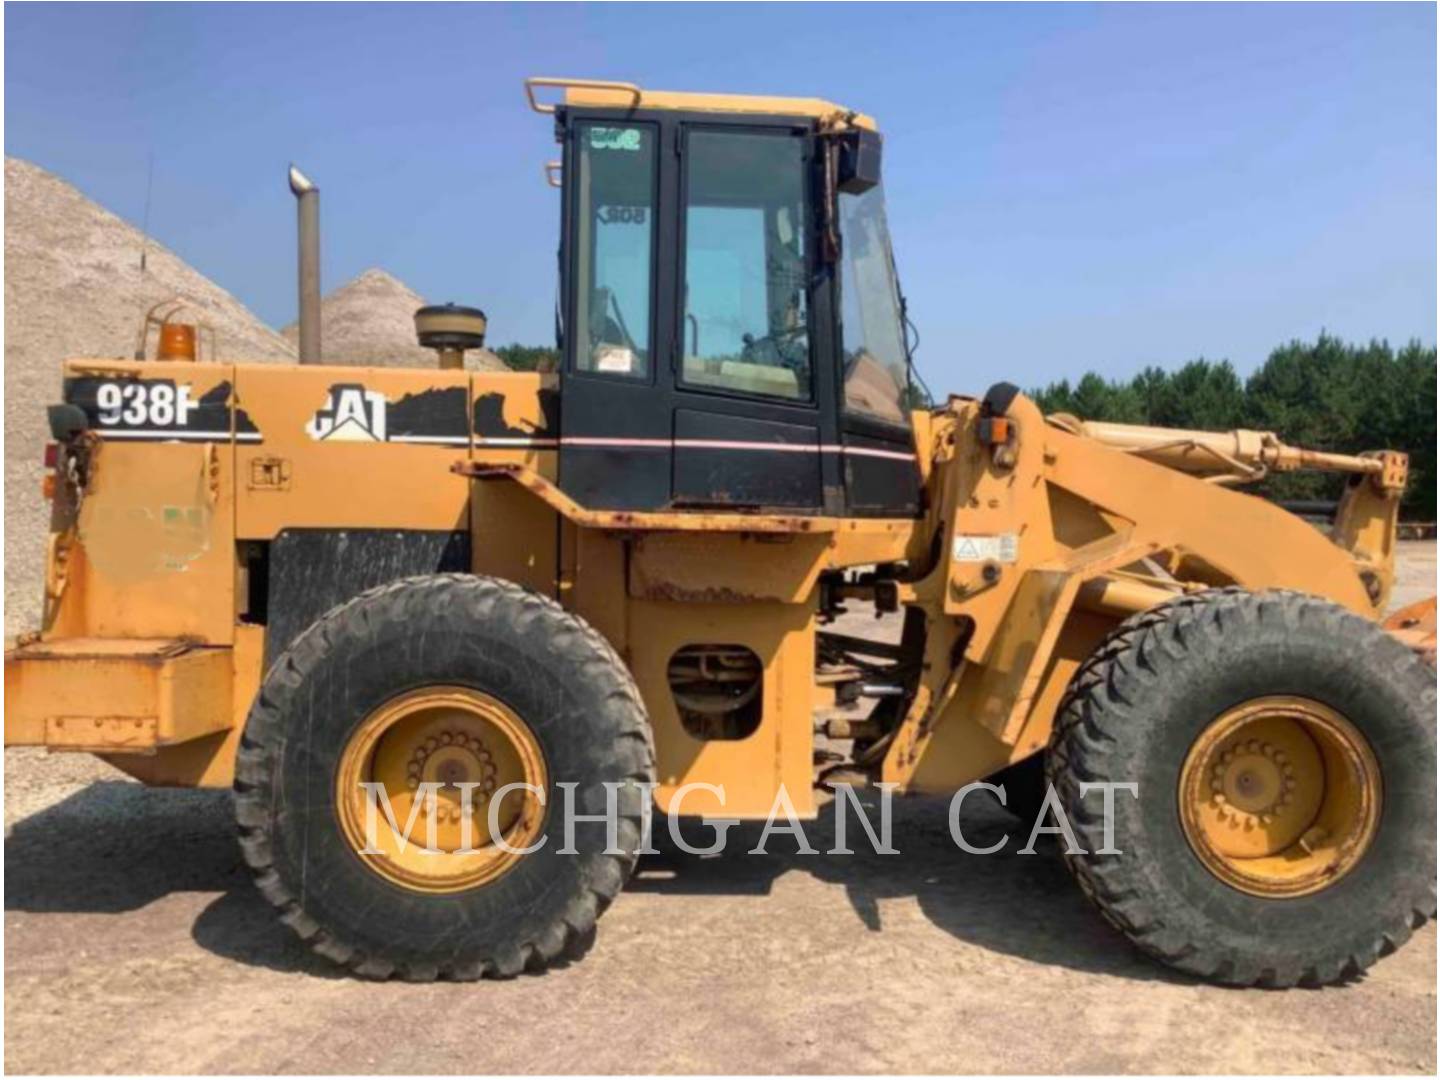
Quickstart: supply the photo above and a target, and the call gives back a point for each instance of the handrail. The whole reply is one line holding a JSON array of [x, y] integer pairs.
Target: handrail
[[716, 520], [554, 171], [580, 84]]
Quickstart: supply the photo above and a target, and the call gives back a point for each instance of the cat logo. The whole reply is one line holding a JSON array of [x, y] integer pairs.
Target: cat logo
[[350, 414]]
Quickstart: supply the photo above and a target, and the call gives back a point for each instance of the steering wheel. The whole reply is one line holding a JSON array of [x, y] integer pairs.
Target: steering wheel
[[776, 349], [604, 328]]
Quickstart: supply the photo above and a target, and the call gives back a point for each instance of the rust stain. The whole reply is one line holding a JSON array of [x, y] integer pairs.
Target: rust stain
[[714, 594]]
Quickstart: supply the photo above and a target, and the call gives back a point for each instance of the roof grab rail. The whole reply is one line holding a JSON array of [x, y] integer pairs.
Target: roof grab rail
[[534, 82]]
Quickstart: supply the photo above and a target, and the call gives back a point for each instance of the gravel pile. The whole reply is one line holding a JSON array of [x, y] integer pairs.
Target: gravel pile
[[371, 321], [73, 287]]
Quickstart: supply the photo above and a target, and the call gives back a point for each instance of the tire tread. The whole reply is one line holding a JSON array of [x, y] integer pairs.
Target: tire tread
[[577, 643], [1096, 711]]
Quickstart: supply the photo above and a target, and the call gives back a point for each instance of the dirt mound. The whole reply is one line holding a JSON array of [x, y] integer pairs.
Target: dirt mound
[[371, 321], [73, 287]]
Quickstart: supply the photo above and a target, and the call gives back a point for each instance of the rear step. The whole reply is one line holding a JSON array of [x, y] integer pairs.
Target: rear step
[[115, 695]]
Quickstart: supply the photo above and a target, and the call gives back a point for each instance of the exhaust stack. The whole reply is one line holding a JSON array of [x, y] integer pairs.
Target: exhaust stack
[[307, 200]]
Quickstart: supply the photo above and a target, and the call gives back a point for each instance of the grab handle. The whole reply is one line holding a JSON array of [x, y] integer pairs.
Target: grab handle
[[531, 84]]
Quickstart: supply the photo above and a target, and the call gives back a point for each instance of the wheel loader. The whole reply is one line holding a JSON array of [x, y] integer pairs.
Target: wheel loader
[[629, 585]]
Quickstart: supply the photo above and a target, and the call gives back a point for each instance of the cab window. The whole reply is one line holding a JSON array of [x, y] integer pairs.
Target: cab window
[[872, 331], [615, 223], [745, 301]]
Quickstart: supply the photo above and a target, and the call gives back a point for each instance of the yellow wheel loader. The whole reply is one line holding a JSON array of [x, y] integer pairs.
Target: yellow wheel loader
[[516, 612]]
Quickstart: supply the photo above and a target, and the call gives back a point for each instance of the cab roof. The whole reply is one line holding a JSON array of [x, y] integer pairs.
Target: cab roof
[[594, 94]]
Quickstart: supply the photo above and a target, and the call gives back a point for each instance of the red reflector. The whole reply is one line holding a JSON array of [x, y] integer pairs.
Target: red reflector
[[52, 455]]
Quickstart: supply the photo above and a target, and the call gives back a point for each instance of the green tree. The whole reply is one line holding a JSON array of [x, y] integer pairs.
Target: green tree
[[1327, 395], [529, 357], [1055, 398], [1205, 396]]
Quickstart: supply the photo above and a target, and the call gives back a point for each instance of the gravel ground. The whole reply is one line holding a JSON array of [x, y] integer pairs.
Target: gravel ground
[[135, 943]]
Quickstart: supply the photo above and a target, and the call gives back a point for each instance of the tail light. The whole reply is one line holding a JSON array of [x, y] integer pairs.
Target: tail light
[[52, 460]]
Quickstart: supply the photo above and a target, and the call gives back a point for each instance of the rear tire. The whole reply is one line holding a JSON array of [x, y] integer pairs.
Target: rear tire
[[1152, 694], [452, 636]]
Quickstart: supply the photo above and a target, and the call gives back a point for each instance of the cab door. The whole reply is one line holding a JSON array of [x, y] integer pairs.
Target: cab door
[[615, 423], [748, 388], [694, 316]]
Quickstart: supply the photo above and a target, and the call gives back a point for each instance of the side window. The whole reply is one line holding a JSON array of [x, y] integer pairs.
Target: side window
[[745, 299], [615, 224], [872, 330]]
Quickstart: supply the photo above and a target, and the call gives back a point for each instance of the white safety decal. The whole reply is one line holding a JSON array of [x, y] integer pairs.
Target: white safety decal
[[1004, 548]]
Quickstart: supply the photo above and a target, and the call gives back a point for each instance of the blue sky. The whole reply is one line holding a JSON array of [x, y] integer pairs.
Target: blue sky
[[1071, 187]]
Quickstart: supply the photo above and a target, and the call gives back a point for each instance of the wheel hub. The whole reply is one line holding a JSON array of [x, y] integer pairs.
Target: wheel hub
[[1280, 796], [464, 747], [1253, 783], [452, 759]]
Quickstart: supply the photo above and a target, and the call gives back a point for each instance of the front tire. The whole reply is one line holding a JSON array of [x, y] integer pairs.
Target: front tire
[[1284, 751], [447, 678]]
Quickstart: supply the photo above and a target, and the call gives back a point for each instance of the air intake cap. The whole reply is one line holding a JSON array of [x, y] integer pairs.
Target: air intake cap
[[450, 326]]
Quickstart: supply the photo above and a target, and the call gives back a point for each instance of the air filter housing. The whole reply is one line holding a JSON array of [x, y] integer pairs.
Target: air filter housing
[[450, 329]]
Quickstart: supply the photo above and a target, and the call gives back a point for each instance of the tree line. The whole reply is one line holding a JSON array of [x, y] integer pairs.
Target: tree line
[[1325, 395], [1328, 395], [529, 357]]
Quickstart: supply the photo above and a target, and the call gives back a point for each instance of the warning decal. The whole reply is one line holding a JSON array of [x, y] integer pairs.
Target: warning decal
[[1004, 548]]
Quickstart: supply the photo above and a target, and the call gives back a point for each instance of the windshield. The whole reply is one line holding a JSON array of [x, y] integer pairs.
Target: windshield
[[872, 328]]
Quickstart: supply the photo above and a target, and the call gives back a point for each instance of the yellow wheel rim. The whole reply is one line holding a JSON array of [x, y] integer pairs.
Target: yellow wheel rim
[[1280, 796], [446, 736]]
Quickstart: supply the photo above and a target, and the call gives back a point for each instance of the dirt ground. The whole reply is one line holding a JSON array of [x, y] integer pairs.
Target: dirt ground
[[135, 943]]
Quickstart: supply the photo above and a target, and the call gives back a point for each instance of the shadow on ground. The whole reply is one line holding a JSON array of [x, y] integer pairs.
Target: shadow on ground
[[1021, 905], [115, 847]]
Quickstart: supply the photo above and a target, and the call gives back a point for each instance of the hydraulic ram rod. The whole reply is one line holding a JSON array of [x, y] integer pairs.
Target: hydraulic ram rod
[[1209, 452]]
